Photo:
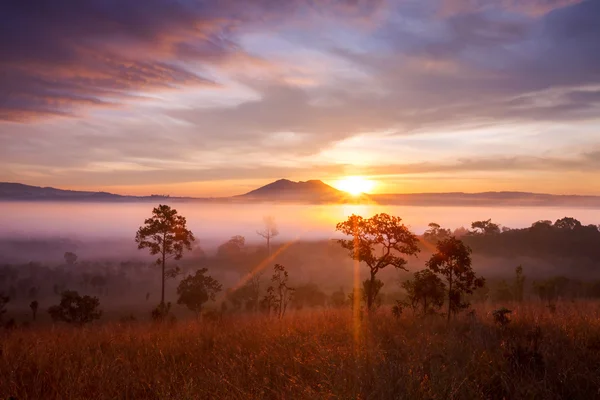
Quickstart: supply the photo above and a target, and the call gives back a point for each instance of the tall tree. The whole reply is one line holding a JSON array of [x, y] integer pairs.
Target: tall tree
[[269, 232], [519, 283], [378, 241], [197, 289], [453, 261], [165, 233], [34, 308]]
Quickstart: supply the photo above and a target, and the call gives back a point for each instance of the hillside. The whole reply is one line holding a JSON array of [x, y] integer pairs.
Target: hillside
[[286, 190]]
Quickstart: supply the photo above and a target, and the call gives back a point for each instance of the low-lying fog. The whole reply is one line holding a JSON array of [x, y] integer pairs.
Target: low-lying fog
[[218, 222]]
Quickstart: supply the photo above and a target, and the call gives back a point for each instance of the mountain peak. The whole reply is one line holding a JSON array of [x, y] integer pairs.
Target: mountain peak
[[285, 189]]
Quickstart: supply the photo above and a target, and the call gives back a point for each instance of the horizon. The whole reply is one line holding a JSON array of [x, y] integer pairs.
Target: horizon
[[207, 196], [199, 99]]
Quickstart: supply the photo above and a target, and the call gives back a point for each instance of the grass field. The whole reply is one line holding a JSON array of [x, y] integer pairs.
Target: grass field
[[324, 354]]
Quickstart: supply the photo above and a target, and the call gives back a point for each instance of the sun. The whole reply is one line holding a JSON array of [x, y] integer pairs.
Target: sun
[[355, 185]]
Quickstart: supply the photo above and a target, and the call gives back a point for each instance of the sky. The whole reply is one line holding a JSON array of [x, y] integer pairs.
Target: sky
[[215, 98]]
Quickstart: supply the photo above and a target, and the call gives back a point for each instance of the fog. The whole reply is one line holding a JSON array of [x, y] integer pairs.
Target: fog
[[34, 237], [214, 223]]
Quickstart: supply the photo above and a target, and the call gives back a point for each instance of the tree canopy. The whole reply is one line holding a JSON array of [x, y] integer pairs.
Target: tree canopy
[[379, 241]]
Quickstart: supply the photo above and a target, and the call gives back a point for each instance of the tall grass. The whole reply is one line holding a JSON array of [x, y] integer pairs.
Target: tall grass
[[313, 355]]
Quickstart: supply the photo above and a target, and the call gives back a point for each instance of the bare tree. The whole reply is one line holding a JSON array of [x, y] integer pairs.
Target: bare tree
[[269, 232]]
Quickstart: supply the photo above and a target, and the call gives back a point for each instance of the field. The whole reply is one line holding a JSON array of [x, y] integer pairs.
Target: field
[[542, 353]]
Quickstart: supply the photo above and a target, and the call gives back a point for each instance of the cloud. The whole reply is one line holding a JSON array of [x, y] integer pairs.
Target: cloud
[[319, 73], [61, 56]]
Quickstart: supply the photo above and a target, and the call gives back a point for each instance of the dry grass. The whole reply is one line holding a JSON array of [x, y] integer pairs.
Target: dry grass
[[313, 356]]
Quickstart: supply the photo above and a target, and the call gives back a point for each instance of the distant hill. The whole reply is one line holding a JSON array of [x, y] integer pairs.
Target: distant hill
[[286, 190], [313, 192], [18, 191]]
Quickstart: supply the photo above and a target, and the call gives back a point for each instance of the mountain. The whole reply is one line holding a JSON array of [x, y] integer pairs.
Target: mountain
[[313, 192], [18, 191], [286, 190]]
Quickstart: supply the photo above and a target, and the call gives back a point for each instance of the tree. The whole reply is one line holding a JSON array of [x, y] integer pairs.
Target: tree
[[453, 261], [279, 293], [165, 234], [435, 233], [383, 234], [485, 227], [98, 282], [519, 283], [309, 295], [269, 232], [197, 289], [542, 225], [373, 287], [70, 258], [75, 309], [248, 294], [4, 300], [34, 308], [232, 248], [567, 223], [427, 290]]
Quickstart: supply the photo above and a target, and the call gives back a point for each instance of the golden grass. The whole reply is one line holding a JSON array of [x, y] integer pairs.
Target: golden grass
[[313, 355]]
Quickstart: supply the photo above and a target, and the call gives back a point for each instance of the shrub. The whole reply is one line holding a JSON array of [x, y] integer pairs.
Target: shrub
[[75, 309]]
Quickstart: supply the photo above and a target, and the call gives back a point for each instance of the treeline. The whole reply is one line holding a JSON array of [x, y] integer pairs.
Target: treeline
[[565, 238]]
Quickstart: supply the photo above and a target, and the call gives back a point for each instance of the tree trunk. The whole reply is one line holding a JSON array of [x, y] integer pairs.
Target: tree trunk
[[370, 294], [162, 294]]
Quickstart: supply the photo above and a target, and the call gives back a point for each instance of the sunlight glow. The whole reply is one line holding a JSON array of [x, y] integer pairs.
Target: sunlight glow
[[355, 185]]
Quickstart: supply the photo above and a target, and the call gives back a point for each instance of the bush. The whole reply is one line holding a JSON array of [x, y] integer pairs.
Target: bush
[[75, 309]]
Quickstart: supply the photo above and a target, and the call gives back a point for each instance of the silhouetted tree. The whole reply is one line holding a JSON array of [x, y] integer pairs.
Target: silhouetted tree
[[374, 287], [308, 295], [70, 258], [383, 234], [34, 308], [435, 233], [426, 290], [75, 309], [161, 312], [485, 227], [232, 248], [4, 300], [269, 232], [519, 285], [98, 282], [197, 289], [567, 223], [453, 261], [165, 234], [279, 293]]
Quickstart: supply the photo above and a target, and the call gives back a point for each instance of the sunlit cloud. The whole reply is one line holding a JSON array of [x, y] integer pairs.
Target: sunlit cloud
[[179, 95]]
